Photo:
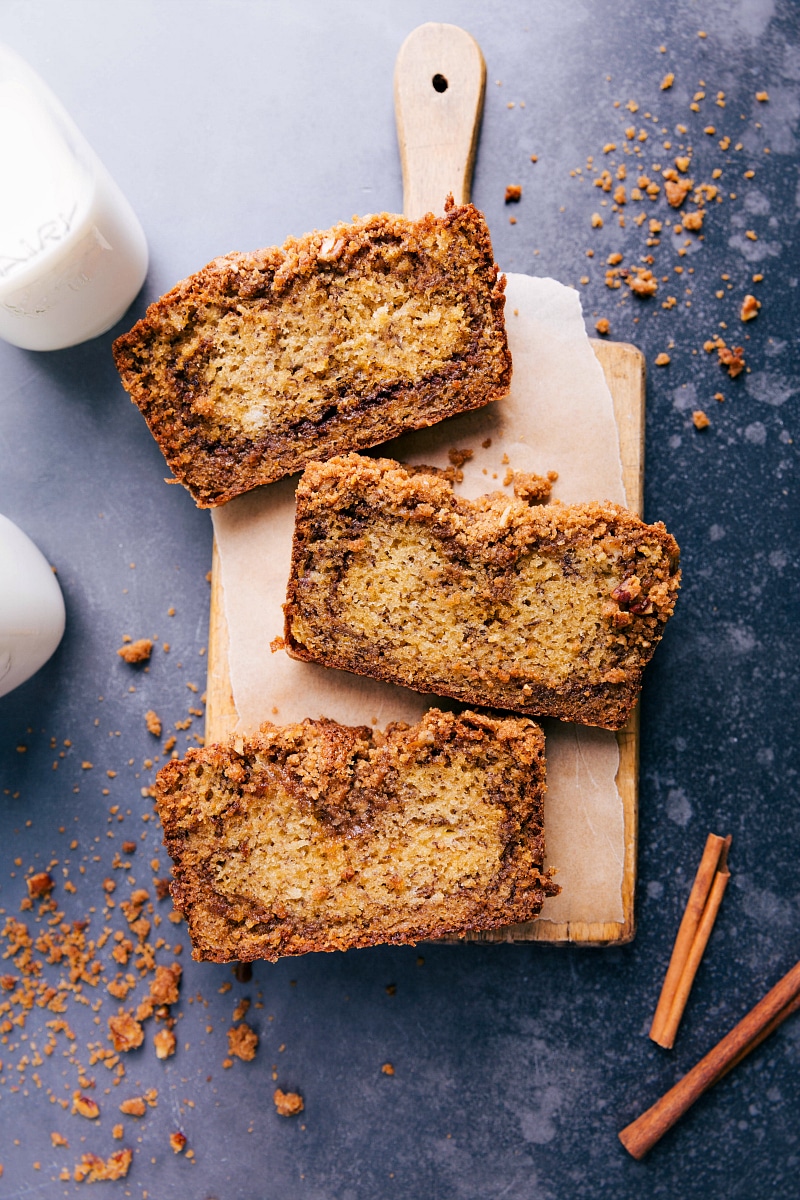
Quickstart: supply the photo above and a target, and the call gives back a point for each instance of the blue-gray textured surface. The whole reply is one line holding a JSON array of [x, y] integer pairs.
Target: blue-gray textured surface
[[231, 124]]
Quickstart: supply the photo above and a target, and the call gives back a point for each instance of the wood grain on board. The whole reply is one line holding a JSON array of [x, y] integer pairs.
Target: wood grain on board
[[623, 367]]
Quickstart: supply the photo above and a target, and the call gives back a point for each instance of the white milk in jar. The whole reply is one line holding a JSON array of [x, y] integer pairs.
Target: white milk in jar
[[72, 253], [31, 607]]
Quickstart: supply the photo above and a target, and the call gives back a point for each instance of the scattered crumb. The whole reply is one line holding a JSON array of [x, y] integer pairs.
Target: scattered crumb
[[134, 1107], [597, 221], [277, 643], [387, 1069], [762, 97], [662, 359], [459, 457], [667, 81], [700, 419], [136, 652], [177, 1141], [153, 722], [85, 1106], [750, 307], [603, 325], [287, 1104], [125, 1031], [58, 1140], [40, 885], [242, 1042], [513, 193], [93, 1169], [164, 1043]]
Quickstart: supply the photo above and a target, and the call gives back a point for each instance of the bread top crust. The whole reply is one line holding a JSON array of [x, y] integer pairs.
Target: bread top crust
[[496, 528], [240, 384]]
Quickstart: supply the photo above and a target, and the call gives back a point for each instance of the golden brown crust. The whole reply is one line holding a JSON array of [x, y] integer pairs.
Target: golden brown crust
[[172, 361], [320, 836], [549, 611]]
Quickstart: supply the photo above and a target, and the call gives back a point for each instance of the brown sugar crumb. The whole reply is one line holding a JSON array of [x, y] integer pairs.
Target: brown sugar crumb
[[693, 221], [663, 360], [750, 307], [642, 282], [667, 81], [177, 1141], [732, 357], [241, 1010], [459, 457], [133, 1107], [700, 420], [242, 1042], [84, 1106], [287, 1104], [603, 325], [153, 722], [164, 1043], [58, 1139], [118, 1132], [136, 652], [676, 191], [387, 1069], [125, 1031], [93, 1169], [530, 488], [513, 193], [40, 885]]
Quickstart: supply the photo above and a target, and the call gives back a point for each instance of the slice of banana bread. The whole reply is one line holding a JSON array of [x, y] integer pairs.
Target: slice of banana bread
[[320, 836], [338, 341], [550, 611]]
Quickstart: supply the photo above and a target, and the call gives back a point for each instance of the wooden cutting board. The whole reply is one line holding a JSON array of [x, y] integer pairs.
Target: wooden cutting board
[[439, 86]]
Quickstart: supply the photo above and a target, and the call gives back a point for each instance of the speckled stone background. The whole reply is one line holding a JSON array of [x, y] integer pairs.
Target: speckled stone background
[[231, 124]]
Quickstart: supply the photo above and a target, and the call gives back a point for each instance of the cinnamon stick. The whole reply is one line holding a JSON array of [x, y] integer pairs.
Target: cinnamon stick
[[779, 1003], [695, 929]]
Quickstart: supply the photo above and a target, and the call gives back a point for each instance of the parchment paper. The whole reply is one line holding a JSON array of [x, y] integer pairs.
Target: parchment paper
[[558, 416]]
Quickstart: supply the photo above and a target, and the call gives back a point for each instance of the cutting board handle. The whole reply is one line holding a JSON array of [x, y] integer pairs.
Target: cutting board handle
[[439, 83]]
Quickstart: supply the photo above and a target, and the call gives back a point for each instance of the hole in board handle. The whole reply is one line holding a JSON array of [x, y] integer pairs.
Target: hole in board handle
[[439, 83]]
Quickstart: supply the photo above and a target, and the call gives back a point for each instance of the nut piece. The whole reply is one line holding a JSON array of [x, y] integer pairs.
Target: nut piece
[[125, 1031], [136, 652], [750, 307], [40, 885], [85, 1106], [164, 1042], [243, 1042], [288, 1104]]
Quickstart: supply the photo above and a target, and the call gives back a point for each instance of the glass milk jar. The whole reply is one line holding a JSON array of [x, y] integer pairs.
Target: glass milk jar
[[72, 253]]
